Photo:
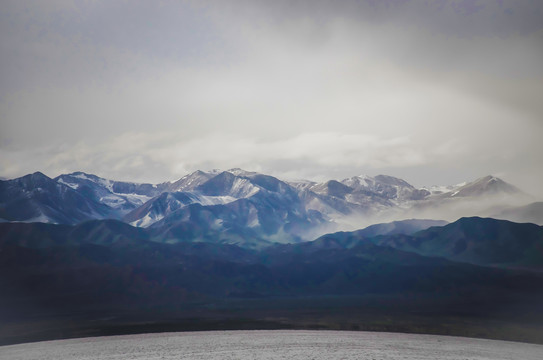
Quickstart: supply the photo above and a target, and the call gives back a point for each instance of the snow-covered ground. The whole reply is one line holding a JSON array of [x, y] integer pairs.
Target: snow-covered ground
[[279, 344]]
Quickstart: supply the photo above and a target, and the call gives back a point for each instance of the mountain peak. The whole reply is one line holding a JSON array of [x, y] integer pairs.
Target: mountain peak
[[361, 177], [82, 175], [391, 180], [75, 173], [486, 185], [33, 179], [489, 178], [241, 172], [332, 188], [39, 174]]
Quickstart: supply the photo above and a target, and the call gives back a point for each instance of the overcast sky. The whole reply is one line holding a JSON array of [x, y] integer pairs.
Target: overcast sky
[[434, 92]]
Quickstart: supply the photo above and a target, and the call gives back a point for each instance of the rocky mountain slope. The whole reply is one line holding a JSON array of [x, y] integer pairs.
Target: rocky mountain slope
[[237, 205]]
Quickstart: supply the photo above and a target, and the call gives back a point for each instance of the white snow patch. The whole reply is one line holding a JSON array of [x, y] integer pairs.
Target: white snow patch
[[81, 176], [357, 182], [73, 186], [241, 172], [108, 184], [214, 200], [136, 199], [147, 220], [253, 218], [243, 188], [217, 224], [113, 201], [442, 189], [365, 180]]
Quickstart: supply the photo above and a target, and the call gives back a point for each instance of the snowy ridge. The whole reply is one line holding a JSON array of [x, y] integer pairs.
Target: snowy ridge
[[269, 204], [172, 202], [364, 181], [442, 189], [147, 220], [72, 185], [213, 200], [191, 181], [105, 192], [243, 188]]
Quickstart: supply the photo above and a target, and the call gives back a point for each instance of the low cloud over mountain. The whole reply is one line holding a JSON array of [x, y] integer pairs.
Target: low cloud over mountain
[[236, 204]]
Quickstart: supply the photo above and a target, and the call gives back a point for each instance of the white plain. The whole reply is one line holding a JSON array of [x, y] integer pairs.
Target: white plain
[[273, 344]]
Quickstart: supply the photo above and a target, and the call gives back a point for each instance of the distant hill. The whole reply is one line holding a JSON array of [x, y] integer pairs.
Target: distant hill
[[101, 259], [482, 241], [67, 280], [406, 227]]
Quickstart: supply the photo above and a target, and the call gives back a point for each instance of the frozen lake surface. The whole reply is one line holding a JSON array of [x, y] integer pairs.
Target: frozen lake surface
[[276, 344]]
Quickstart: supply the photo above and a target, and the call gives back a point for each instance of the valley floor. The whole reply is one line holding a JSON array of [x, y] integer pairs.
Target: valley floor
[[503, 321], [282, 344]]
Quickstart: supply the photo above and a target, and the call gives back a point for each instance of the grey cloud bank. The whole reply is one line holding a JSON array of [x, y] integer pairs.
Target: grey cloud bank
[[434, 92]]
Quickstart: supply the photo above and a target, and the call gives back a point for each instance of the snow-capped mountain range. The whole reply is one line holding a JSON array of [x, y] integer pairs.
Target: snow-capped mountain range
[[237, 203]]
